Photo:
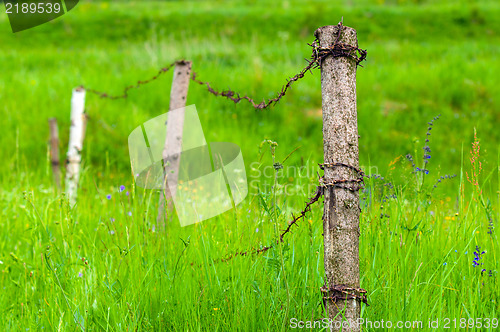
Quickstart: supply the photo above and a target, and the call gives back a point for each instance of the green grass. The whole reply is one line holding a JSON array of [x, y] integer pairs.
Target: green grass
[[66, 268]]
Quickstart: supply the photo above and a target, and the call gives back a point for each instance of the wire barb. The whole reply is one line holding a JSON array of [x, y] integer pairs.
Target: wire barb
[[344, 292], [356, 184]]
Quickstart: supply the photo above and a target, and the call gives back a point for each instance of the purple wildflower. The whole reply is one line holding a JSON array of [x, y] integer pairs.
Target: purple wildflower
[[477, 256], [418, 169], [108, 196], [490, 226], [122, 188]]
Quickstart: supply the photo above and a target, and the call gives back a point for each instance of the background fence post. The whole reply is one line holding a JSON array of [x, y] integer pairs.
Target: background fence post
[[75, 143], [341, 211], [54, 152], [173, 140]]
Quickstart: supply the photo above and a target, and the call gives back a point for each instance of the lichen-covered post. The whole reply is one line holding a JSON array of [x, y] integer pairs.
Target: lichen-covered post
[[341, 151], [173, 140]]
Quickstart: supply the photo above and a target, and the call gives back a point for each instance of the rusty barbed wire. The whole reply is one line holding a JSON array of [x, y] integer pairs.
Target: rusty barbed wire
[[318, 193], [316, 196], [337, 49], [343, 292], [235, 97], [134, 86], [355, 184]]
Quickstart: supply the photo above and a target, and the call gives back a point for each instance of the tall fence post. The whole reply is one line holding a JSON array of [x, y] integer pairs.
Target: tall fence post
[[75, 143], [341, 156], [173, 140]]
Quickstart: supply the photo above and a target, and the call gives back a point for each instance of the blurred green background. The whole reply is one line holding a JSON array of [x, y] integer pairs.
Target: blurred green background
[[104, 265], [424, 58]]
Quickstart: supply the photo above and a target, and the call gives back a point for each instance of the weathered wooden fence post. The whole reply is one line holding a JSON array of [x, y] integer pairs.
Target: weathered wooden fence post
[[54, 151], [173, 141], [75, 143], [341, 155]]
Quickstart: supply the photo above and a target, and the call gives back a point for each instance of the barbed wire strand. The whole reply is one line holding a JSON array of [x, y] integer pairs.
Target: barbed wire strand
[[316, 196], [337, 49]]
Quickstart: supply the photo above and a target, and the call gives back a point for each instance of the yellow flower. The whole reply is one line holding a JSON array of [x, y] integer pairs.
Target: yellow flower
[[216, 309]]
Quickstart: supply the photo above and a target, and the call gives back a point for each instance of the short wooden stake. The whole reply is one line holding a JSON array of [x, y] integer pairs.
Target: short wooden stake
[[54, 152]]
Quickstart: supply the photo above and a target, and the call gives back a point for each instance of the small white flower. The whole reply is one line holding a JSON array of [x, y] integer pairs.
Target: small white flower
[[1, 262]]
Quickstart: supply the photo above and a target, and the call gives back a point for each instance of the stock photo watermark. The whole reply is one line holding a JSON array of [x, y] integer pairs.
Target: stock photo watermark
[[204, 179], [364, 323], [27, 14]]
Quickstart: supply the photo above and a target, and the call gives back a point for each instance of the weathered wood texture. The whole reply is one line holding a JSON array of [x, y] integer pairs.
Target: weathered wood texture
[[340, 140], [173, 141]]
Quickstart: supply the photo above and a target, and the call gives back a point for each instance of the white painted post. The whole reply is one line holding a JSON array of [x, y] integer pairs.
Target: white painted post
[[173, 140], [75, 143]]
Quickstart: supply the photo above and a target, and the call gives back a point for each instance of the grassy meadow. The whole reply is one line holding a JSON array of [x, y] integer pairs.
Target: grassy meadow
[[429, 223]]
